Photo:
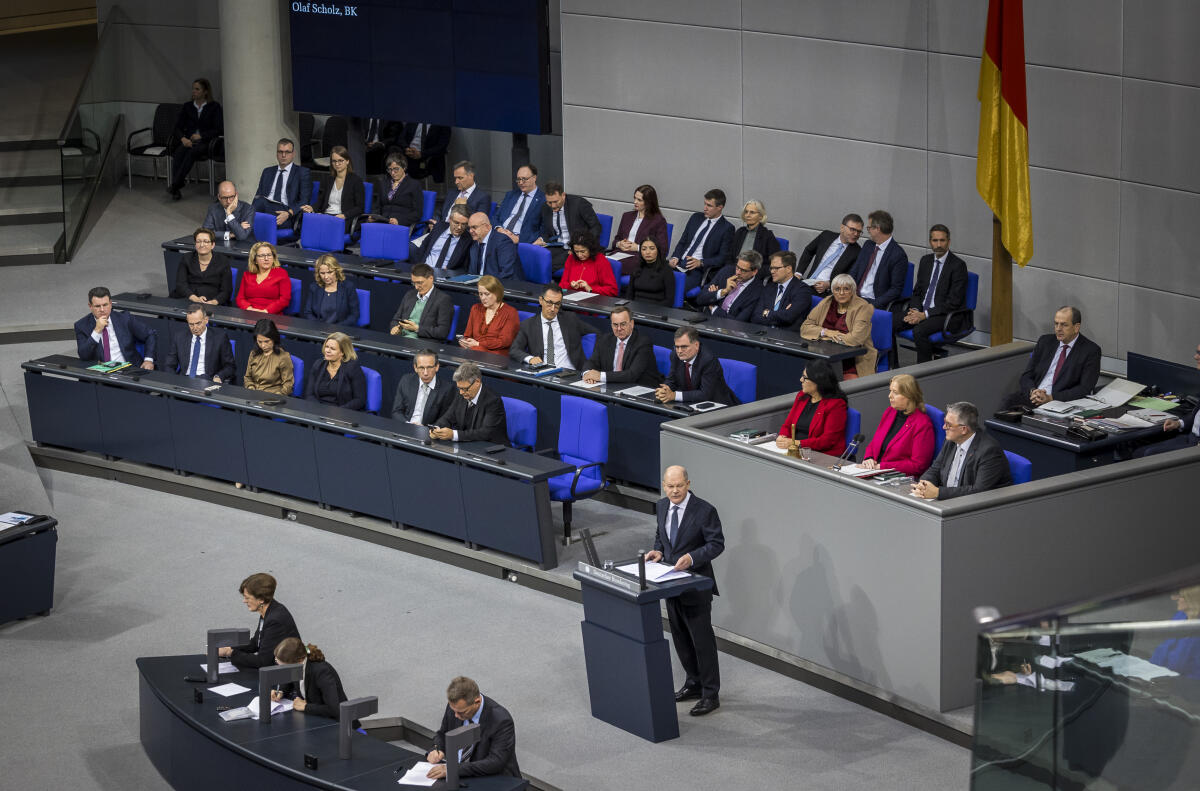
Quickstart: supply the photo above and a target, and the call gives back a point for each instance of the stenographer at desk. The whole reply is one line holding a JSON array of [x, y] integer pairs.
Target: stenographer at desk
[[477, 415], [275, 624], [495, 753]]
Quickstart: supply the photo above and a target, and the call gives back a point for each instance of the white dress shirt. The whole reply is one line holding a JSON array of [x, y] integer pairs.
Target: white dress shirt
[[868, 288], [624, 344], [687, 498], [633, 229], [960, 457], [520, 209], [1047, 382], [561, 358], [424, 393], [114, 346], [187, 364]]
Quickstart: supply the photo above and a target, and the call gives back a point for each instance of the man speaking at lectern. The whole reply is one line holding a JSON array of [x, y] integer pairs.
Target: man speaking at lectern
[[689, 536]]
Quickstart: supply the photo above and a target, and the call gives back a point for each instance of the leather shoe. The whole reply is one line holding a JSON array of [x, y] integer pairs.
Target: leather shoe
[[704, 706], [687, 693]]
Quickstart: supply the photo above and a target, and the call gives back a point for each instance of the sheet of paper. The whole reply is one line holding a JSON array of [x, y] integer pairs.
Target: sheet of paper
[[1153, 416], [578, 296], [618, 256], [1052, 661], [1045, 684], [416, 775], [1129, 421], [859, 470], [1118, 391], [229, 690], [1146, 402], [277, 707], [656, 572], [585, 385], [14, 518], [771, 447], [222, 667], [1057, 408], [636, 390]]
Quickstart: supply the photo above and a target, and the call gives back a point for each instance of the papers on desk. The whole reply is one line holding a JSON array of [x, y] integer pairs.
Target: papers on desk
[[578, 296], [618, 256], [655, 572], [1125, 665], [636, 390], [1152, 416], [250, 710], [1122, 423], [228, 690], [1115, 393], [810, 281], [859, 471], [586, 385], [1118, 392], [1148, 403], [1045, 684], [222, 667], [416, 775], [15, 518], [1053, 661]]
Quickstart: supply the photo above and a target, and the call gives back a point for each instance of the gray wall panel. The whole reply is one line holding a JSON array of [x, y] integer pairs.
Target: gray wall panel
[[957, 26], [1158, 323], [900, 23], [724, 14], [953, 104], [1159, 145], [1083, 220], [610, 58], [1074, 34], [1072, 124], [890, 85], [1157, 249], [1037, 293], [1160, 40], [158, 64], [169, 13], [954, 202]]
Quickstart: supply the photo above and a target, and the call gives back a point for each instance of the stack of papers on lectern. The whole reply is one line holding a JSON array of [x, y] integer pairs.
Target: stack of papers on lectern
[[1115, 393], [416, 775], [859, 471], [250, 710], [655, 572]]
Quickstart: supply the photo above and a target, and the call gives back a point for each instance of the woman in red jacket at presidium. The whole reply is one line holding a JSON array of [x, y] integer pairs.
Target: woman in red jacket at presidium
[[264, 286], [905, 437], [818, 413]]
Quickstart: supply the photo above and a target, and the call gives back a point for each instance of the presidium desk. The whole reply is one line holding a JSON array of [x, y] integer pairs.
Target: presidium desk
[[337, 457]]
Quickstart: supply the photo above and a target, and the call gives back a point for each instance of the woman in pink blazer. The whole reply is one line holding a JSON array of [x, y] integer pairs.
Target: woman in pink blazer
[[905, 438]]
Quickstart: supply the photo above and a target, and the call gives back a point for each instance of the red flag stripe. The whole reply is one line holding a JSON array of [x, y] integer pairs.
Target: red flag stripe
[[1004, 44]]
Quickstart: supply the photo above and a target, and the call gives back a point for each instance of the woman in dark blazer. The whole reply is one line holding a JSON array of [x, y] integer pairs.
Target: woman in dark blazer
[[817, 419], [332, 298], [905, 438], [653, 225], [399, 197], [755, 235], [342, 193], [275, 624], [340, 380], [319, 690], [652, 280], [204, 276]]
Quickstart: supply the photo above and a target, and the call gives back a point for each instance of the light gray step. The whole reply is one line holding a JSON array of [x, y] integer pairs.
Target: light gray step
[[20, 199], [38, 163], [29, 239]]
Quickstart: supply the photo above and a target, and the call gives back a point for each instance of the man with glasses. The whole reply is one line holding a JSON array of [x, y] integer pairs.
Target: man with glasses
[[448, 246], [695, 374], [203, 351], [465, 193], [283, 188], [941, 289], [707, 241], [495, 752], [476, 415], [830, 254], [493, 253], [882, 266], [785, 301], [624, 357], [970, 460], [424, 311], [422, 395], [735, 291], [564, 216], [519, 215], [229, 218], [551, 337]]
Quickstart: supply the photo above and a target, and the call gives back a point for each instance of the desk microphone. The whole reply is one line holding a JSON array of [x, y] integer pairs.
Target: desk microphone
[[852, 448]]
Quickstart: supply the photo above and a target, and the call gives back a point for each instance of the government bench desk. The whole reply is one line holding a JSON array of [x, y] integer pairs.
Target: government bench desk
[[633, 422], [780, 355], [193, 748], [337, 457]]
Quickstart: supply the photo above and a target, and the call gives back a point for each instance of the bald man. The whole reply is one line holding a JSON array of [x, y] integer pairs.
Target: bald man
[[493, 253], [230, 218]]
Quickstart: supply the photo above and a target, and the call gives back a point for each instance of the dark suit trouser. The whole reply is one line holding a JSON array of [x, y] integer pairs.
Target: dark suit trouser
[[419, 169], [695, 644], [921, 332], [558, 258], [1168, 445], [1013, 400], [183, 158]]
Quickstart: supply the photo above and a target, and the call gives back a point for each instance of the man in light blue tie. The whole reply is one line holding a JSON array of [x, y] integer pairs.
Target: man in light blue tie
[[830, 254], [519, 215], [940, 291]]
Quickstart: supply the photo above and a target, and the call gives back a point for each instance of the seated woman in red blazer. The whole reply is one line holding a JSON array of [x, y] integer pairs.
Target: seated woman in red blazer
[[587, 269], [492, 324], [818, 415], [264, 286], [905, 437]]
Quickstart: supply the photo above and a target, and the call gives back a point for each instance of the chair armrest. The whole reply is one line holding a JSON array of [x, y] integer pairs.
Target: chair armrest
[[579, 471], [546, 452], [950, 316], [129, 139]]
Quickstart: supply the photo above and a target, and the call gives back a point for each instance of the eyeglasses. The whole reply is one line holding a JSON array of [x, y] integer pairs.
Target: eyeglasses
[[265, 256], [853, 230], [745, 270], [394, 169], [550, 304], [204, 241], [804, 378], [338, 161], [523, 179], [777, 267]]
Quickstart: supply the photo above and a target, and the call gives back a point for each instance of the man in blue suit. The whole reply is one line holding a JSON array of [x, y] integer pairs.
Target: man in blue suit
[[519, 215], [882, 265], [230, 218], [284, 189], [111, 336], [203, 351], [493, 253], [465, 191], [785, 300], [707, 242]]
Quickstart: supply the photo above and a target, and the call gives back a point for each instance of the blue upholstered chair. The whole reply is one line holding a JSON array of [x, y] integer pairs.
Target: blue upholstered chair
[[374, 389], [535, 262], [966, 326], [605, 228], [662, 359], [680, 284], [522, 423], [742, 379], [453, 325], [428, 199], [525, 314], [1020, 467], [853, 424], [234, 272], [265, 229], [939, 431], [293, 307], [298, 376], [670, 232], [881, 338], [582, 441], [588, 344], [364, 307], [784, 244], [383, 240], [323, 232]]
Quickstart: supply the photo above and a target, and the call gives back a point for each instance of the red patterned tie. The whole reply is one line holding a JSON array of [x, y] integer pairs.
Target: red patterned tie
[[867, 271], [620, 355], [104, 342], [1062, 358]]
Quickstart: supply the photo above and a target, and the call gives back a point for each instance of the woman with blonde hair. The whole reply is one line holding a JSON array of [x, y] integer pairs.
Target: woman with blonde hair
[[492, 324], [264, 287], [331, 297], [340, 381], [905, 437]]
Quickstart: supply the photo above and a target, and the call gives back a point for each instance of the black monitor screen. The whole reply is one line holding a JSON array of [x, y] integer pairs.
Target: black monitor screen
[[480, 64]]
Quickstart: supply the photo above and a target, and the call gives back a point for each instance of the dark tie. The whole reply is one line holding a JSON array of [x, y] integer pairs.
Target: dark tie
[[937, 271], [195, 356], [687, 375], [441, 261], [1058, 365], [482, 267], [562, 237], [550, 342], [104, 343], [674, 529], [699, 238], [516, 218], [277, 192], [867, 271]]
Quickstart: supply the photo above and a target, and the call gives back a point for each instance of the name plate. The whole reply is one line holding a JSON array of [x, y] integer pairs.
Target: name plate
[[611, 577]]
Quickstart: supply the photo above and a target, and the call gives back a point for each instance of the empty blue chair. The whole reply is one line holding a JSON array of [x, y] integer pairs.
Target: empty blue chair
[[364, 307], [616, 268], [588, 344], [905, 292], [1020, 467], [662, 359], [323, 232], [939, 431], [453, 324], [853, 423], [233, 278], [384, 240], [784, 244], [881, 338], [293, 307], [967, 314], [368, 195], [535, 261], [428, 199], [522, 423], [298, 376], [525, 314], [374, 389], [582, 441], [265, 229], [605, 228], [316, 194], [680, 285], [492, 211], [742, 379]]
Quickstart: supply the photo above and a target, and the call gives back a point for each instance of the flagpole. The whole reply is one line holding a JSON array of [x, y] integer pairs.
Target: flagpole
[[1001, 288]]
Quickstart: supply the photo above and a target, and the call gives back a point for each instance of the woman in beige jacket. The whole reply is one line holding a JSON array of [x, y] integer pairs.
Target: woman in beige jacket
[[844, 317]]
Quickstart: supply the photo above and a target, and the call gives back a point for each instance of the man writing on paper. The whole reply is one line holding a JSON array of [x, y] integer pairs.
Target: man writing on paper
[[496, 751], [689, 537], [1064, 365]]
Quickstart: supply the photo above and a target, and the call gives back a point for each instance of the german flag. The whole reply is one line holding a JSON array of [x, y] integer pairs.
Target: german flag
[[1002, 169]]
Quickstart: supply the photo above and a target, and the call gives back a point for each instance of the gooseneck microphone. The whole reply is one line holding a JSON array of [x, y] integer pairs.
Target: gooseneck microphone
[[852, 448]]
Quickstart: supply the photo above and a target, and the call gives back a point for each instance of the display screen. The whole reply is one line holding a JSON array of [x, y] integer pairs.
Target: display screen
[[480, 64]]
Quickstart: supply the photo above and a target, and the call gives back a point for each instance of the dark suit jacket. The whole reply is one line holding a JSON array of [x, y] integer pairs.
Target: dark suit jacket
[[502, 260], [699, 535], [296, 192], [985, 468], [434, 143], [216, 282], [743, 307], [655, 227], [215, 220], [406, 398], [210, 125], [354, 197], [496, 751], [810, 258], [579, 216], [218, 354], [765, 244], [637, 366], [484, 422], [459, 258], [889, 276], [405, 206], [708, 380], [435, 319], [718, 245], [950, 292], [793, 309], [477, 201], [531, 222], [274, 627], [1079, 372], [128, 329], [345, 300], [529, 340], [352, 384], [323, 691]]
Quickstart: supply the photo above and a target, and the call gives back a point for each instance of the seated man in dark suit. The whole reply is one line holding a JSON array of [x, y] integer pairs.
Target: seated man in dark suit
[[465, 192], [1183, 433], [111, 336], [424, 311], [707, 242], [477, 415], [784, 301], [425, 146], [422, 395], [736, 290], [970, 461], [695, 374], [1064, 365], [284, 189], [231, 219], [941, 288], [564, 216], [204, 351], [496, 751], [493, 252], [830, 254], [448, 246], [551, 336], [624, 357], [519, 215], [882, 266]]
